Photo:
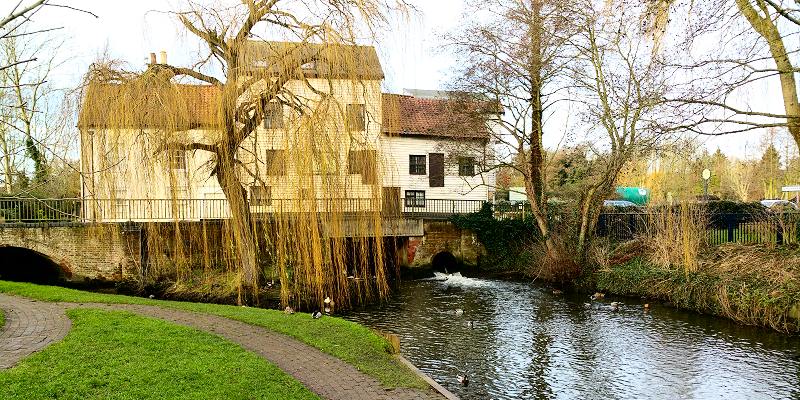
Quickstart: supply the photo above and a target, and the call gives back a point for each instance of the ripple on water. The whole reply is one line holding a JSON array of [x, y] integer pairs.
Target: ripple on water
[[526, 343]]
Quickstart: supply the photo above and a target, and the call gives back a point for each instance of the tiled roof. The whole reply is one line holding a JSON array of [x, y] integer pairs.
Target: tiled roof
[[413, 116], [177, 106], [328, 60]]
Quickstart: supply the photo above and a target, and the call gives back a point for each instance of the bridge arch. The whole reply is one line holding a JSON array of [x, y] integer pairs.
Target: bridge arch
[[22, 264], [444, 261]]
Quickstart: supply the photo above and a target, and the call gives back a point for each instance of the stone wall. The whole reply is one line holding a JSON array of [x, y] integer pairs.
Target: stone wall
[[439, 237], [105, 252]]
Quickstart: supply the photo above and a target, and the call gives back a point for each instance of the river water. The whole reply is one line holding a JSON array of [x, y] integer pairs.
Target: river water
[[520, 341]]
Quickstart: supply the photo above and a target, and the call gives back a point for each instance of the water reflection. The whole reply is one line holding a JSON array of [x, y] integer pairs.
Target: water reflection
[[525, 343]]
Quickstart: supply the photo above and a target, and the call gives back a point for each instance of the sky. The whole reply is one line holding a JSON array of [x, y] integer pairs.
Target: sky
[[411, 51]]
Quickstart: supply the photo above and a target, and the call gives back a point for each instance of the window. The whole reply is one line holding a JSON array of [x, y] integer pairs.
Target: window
[[326, 163], [273, 116], [363, 162], [260, 195], [416, 165], [356, 117], [466, 166], [415, 198], [305, 193], [275, 161], [436, 169], [177, 159]]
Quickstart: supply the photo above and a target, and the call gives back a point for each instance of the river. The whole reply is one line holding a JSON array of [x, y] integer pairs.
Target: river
[[518, 340]]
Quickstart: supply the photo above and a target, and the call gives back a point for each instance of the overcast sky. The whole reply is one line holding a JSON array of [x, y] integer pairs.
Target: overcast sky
[[410, 53]]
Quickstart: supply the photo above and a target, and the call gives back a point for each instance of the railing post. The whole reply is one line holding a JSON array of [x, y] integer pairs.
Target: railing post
[[730, 219]]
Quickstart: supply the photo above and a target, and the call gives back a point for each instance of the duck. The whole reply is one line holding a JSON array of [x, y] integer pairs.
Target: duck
[[471, 324], [327, 310], [463, 380], [597, 296], [557, 292], [615, 306], [459, 312], [288, 310], [327, 300], [646, 307], [316, 314]]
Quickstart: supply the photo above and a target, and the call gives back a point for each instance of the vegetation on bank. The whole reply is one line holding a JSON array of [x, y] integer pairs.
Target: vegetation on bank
[[119, 355], [348, 341], [671, 259], [2, 319], [749, 284]]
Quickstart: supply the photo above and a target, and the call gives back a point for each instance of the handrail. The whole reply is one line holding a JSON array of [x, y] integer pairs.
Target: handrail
[[36, 210]]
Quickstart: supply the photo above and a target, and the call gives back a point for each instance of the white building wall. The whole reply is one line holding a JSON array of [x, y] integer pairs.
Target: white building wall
[[397, 149]]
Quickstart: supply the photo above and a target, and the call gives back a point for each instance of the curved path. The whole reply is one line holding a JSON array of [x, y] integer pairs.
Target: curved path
[[32, 325]]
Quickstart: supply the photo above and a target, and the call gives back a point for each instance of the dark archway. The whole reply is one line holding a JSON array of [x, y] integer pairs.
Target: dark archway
[[444, 261], [25, 265]]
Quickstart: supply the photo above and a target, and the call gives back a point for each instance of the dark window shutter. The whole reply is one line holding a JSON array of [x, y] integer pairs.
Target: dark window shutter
[[436, 174]]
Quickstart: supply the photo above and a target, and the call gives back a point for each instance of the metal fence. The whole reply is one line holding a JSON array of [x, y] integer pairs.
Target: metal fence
[[31, 210], [779, 228]]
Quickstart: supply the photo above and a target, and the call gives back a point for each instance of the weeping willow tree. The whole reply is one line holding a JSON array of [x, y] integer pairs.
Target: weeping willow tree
[[286, 129]]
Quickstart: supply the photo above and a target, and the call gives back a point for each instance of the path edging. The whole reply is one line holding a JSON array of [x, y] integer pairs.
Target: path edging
[[439, 388]]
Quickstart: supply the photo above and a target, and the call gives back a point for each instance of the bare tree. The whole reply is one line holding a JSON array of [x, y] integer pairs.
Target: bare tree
[[753, 37], [20, 15], [514, 54], [620, 85]]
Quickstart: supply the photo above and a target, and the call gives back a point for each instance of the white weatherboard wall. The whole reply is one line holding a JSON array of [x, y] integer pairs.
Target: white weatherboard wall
[[397, 149]]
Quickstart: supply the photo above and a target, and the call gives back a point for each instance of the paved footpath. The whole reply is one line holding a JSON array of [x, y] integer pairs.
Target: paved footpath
[[31, 325]]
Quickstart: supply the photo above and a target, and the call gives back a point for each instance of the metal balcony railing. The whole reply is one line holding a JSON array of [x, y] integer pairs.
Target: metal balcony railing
[[33, 210]]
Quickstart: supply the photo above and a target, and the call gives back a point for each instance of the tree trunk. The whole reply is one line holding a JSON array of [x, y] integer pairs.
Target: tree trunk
[[241, 223], [767, 29], [534, 185], [536, 158]]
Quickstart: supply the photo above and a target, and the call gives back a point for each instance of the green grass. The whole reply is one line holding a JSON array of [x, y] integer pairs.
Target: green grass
[[2, 319], [118, 355], [348, 341]]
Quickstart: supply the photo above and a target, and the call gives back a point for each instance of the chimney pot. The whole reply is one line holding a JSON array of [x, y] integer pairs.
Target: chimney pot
[[163, 57], [152, 58]]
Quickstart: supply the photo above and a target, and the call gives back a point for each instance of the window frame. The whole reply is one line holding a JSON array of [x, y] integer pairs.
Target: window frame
[[462, 165], [354, 115], [413, 199], [414, 168], [265, 200], [177, 159], [275, 162], [271, 116]]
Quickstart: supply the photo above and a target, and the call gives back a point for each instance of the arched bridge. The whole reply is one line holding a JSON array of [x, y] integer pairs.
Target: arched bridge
[[77, 240]]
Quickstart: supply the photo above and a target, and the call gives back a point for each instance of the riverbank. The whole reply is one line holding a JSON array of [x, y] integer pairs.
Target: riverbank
[[753, 285], [350, 342]]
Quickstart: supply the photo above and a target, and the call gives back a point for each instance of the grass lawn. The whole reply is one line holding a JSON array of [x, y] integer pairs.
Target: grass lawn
[[2, 319], [118, 355], [348, 341]]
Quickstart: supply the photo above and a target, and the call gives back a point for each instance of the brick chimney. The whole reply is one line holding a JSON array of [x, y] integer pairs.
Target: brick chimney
[[152, 58]]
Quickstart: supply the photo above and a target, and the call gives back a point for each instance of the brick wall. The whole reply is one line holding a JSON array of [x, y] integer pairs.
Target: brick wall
[[84, 252], [443, 236]]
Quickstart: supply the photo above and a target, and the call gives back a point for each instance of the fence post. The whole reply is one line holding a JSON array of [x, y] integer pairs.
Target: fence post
[[730, 221], [779, 232]]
